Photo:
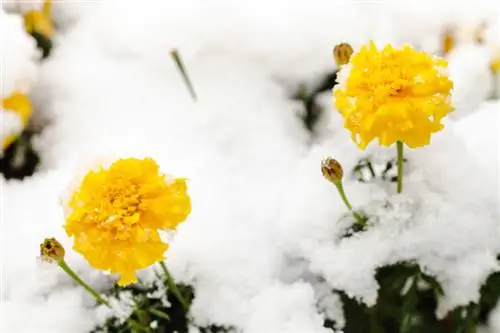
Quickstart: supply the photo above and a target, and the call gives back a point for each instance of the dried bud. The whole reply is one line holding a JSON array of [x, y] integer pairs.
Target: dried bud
[[51, 250], [479, 33], [448, 41], [342, 53], [332, 170]]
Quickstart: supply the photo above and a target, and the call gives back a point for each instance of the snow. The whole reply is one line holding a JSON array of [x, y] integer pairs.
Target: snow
[[19, 55], [11, 124], [263, 244]]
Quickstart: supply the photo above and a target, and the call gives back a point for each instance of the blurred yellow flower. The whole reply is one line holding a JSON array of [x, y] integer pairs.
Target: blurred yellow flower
[[40, 21], [117, 212], [393, 95], [495, 63], [19, 103]]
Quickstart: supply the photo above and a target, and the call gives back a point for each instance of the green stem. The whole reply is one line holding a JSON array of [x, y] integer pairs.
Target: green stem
[[356, 215], [177, 59], [173, 287], [399, 146], [340, 188], [77, 279]]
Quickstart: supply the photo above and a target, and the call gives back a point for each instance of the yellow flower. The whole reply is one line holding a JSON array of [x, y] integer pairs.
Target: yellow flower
[[40, 20], [393, 95], [117, 212], [19, 103], [495, 63]]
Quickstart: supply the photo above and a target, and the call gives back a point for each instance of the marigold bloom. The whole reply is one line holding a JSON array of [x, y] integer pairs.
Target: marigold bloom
[[495, 63], [117, 212], [19, 103], [40, 20], [393, 95]]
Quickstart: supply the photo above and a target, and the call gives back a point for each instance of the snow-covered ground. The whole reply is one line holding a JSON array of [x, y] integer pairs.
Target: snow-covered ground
[[264, 221]]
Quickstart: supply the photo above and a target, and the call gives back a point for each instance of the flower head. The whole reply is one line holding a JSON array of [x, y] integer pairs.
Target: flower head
[[21, 105], [51, 250], [495, 63], [393, 95], [342, 53], [40, 21], [116, 214]]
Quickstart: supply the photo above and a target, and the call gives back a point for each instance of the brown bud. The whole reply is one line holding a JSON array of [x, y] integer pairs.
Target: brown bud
[[332, 170], [51, 250], [479, 33], [342, 53], [448, 41]]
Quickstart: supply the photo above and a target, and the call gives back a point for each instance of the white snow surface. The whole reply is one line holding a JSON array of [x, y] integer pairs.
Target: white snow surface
[[11, 124], [262, 246], [18, 54]]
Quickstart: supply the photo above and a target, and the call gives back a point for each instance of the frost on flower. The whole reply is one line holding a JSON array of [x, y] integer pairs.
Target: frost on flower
[[18, 53]]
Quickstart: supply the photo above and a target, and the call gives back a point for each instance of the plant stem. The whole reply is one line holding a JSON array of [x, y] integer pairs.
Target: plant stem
[[77, 279], [173, 287], [399, 146], [177, 59], [358, 217]]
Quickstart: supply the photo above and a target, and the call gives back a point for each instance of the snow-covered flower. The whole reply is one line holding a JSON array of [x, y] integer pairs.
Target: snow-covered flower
[[116, 215], [20, 108], [393, 95], [40, 20]]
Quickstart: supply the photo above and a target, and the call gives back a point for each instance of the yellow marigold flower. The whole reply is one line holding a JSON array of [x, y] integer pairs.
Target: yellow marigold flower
[[40, 20], [19, 103], [116, 214], [393, 95], [495, 63], [342, 53]]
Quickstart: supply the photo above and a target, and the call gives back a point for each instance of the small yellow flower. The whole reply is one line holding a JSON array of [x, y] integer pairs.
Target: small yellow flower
[[448, 41], [117, 212], [40, 20], [393, 95], [495, 63], [51, 250], [342, 53], [19, 103]]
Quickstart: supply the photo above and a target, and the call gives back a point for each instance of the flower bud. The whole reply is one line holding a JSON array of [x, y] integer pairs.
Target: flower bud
[[51, 250], [332, 170], [342, 53], [448, 41]]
